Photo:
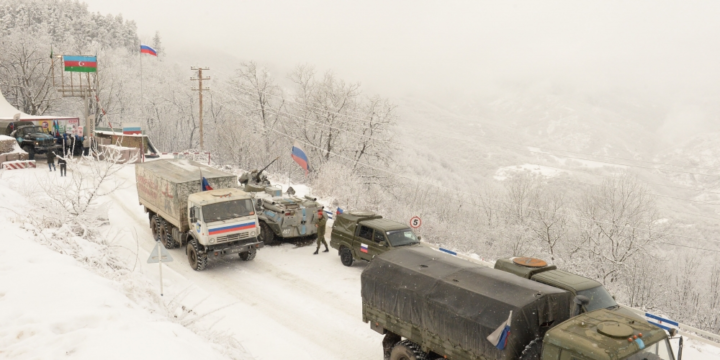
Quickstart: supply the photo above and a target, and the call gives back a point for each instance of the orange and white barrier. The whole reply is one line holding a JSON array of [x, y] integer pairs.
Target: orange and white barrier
[[17, 165]]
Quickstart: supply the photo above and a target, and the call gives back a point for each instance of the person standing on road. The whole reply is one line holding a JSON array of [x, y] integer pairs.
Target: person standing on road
[[86, 146], [51, 160], [321, 232], [63, 165]]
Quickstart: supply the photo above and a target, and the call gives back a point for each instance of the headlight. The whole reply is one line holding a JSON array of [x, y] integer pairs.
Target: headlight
[[37, 143], [252, 233], [212, 240]]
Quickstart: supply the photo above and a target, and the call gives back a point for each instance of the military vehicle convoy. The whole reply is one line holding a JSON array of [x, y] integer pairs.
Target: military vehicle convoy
[[208, 223], [282, 218], [362, 235], [430, 305]]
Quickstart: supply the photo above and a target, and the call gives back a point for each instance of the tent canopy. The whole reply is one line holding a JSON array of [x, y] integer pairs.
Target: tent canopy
[[7, 112]]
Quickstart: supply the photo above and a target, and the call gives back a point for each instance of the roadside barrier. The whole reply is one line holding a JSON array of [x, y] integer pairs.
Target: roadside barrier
[[18, 164]]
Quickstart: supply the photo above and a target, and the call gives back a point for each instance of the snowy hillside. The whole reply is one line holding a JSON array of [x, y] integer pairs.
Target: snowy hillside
[[57, 293]]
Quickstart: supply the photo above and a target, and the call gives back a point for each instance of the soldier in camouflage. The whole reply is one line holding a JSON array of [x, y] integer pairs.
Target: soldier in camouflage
[[321, 232]]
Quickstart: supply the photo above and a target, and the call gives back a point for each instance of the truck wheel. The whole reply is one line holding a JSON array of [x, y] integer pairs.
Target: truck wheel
[[248, 255], [155, 226], [407, 350], [268, 236], [197, 260], [165, 234], [346, 256]]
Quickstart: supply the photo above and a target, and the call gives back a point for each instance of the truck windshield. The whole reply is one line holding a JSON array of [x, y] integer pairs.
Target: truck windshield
[[660, 350], [228, 210], [599, 298], [30, 130], [401, 237]]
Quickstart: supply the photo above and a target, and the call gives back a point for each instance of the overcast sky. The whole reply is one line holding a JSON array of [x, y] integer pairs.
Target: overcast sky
[[416, 47]]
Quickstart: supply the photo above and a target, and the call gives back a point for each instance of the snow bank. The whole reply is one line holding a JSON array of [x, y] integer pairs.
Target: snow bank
[[59, 306], [8, 145]]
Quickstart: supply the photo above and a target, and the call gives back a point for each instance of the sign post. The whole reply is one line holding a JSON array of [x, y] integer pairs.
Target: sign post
[[159, 255], [415, 222]]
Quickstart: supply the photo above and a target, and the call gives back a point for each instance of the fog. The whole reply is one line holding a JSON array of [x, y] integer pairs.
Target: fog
[[667, 50]]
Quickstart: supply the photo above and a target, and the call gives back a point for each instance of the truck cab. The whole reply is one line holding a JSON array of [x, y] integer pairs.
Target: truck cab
[[362, 235], [222, 216], [603, 334], [33, 139], [538, 270]]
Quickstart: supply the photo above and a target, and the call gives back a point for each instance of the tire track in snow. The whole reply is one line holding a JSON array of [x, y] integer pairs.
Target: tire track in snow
[[327, 324]]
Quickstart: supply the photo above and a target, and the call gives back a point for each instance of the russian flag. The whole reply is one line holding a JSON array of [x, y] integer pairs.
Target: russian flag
[[363, 248], [500, 336], [340, 211], [144, 49], [298, 154], [205, 185]]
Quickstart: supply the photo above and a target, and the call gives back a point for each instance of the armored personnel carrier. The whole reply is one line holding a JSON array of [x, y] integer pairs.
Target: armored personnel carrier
[[282, 217]]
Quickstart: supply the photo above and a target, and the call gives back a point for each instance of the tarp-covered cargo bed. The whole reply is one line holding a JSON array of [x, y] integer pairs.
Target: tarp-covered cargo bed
[[165, 185], [461, 302]]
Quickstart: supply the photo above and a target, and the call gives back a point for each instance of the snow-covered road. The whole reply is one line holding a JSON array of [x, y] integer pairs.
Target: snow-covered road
[[286, 302]]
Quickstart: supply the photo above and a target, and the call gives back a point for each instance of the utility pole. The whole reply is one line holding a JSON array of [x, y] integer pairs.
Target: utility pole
[[200, 89]]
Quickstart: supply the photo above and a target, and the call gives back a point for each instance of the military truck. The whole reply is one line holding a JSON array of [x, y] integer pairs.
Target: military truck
[[430, 305], [207, 223], [538, 270], [362, 235], [282, 217], [31, 138]]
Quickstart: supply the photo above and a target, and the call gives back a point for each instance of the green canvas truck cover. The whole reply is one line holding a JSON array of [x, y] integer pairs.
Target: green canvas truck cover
[[460, 301]]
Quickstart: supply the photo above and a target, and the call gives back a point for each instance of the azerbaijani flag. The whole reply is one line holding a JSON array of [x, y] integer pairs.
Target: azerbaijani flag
[[80, 63], [144, 49], [298, 154], [205, 185], [499, 337]]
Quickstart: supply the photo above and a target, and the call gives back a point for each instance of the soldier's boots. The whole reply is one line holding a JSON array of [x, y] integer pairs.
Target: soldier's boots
[[316, 251], [326, 249]]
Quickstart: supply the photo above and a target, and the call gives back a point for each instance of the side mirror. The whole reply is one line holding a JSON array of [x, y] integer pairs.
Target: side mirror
[[259, 204], [580, 301], [419, 238], [383, 243], [192, 214]]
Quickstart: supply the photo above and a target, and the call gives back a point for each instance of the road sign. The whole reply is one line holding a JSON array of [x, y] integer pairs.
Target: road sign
[[163, 257], [159, 255], [415, 222]]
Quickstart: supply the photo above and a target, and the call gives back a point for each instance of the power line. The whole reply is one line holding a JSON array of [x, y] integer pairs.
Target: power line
[[292, 117], [369, 136], [347, 115], [549, 151]]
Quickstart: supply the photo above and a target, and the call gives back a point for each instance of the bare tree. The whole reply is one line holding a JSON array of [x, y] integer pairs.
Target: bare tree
[[88, 179], [550, 222], [619, 221], [254, 89]]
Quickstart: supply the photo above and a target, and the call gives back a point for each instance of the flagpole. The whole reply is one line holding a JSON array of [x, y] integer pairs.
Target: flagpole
[[141, 84]]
